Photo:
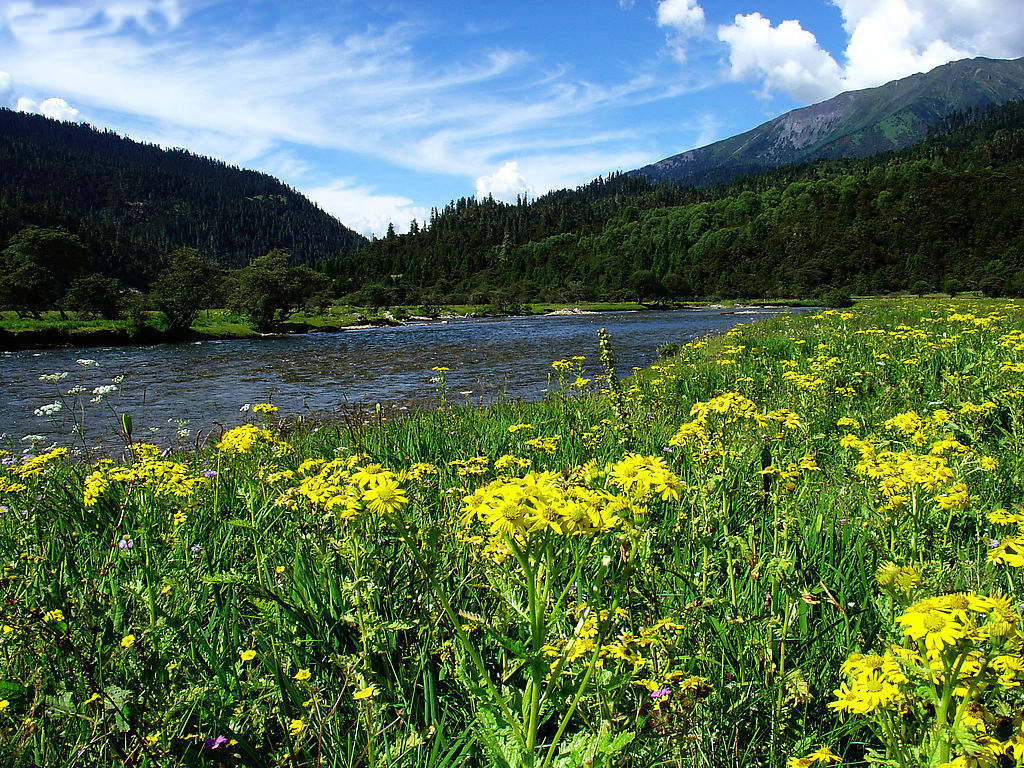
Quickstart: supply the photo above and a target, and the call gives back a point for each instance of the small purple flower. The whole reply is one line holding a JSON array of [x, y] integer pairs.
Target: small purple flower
[[661, 693], [215, 743], [125, 543], [993, 543], [209, 473], [3, 510], [197, 548]]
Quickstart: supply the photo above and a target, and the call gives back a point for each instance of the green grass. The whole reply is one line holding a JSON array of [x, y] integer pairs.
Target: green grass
[[742, 598]]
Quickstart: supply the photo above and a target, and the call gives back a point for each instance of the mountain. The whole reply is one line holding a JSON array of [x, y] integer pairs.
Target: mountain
[[931, 215], [854, 124], [147, 201]]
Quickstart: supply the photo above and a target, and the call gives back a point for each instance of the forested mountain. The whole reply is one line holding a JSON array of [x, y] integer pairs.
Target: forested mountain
[[943, 212], [133, 203], [854, 124]]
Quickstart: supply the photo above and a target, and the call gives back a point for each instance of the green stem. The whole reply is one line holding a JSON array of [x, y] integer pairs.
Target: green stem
[[506, 713]]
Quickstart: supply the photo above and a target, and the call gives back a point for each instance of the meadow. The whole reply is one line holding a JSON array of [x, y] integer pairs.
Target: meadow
[[797, 544]]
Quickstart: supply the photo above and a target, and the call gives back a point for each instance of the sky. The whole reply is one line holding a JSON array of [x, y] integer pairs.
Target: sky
[[381, 110]]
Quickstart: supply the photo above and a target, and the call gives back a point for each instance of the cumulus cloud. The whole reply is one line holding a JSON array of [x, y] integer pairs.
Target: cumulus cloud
[[886, 40], [55, 109], [685, 20], [506, 184], [363, 209], [786, 57], [890, 39], [6, 84], [685, 16]]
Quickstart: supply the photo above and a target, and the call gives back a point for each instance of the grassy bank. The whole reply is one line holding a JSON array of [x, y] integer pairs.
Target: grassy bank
[[802, 535], [53, 330]]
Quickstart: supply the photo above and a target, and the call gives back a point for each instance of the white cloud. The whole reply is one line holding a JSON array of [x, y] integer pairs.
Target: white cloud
[[889, 39], [685, 19], [685, 16], [6, 84], [55, 109], [506, 184], [365, 211], [786, 57], [886, 40]]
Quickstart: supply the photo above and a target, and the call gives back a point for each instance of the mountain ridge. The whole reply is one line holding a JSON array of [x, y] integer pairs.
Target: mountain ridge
[[853, 124], [163, 198]]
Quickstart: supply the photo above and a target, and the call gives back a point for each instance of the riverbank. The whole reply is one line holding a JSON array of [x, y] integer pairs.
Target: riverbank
[[52, 331]]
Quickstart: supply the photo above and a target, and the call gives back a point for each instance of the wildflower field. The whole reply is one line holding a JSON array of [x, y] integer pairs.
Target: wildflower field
[[798, 544]]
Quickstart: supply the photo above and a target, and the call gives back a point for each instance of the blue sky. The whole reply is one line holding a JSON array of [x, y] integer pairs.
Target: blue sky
[[381, 110]]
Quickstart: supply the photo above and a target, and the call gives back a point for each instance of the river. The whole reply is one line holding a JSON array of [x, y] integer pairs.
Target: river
[[181, 393]]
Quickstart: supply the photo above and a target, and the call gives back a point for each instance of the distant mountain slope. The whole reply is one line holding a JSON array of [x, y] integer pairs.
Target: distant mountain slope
[[161, 198], [854, 124]]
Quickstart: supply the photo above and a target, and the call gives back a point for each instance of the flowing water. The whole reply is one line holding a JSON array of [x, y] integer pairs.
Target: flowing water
[[181, 393]]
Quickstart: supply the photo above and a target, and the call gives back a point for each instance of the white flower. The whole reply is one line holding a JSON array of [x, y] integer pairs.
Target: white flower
[[86, 363], [53, 376], [49, 410]]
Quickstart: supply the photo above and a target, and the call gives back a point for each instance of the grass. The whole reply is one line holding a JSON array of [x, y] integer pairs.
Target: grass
[[669, 570]]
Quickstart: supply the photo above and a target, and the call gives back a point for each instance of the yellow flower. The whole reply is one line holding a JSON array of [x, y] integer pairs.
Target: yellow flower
[[128, 641], [55, 615], [365, 693], [247, 655], [938, 629], [822, 755], [303, 674], [385, 498], [296, 727], [4, 704]]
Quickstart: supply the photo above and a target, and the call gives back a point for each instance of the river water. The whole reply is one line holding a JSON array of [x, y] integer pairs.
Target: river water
[[181, 393]]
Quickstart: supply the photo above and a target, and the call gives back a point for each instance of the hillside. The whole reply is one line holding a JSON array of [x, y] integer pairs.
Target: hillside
[[854, 124], [933, 214], [110, 189]]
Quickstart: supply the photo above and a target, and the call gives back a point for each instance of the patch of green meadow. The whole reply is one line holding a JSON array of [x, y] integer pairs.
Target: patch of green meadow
[[751, 553]]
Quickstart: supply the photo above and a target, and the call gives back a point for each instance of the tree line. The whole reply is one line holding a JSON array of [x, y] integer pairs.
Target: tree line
[[938, 216], [42, 270], [934, 215]]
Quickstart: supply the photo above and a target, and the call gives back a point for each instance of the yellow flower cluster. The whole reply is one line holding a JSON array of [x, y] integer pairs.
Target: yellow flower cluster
[[643, 477], [245, 439], [900, 474], [1009, 550], [345, 487], [35, 466], [709, 419], [148, 470], [965, 642]]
